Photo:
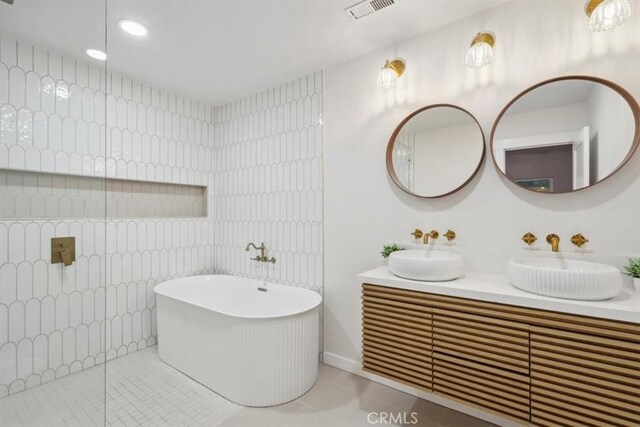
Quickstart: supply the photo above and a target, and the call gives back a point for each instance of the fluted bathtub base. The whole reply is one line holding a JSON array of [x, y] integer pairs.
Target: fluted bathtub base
[[252, 362]]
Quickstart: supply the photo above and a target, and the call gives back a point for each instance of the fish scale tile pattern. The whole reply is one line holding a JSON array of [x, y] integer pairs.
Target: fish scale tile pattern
[[257, 162], [69, 125], [268, 183]]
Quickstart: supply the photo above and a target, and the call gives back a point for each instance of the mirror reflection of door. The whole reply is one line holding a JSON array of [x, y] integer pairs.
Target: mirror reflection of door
[[565, 135], [544, 169]]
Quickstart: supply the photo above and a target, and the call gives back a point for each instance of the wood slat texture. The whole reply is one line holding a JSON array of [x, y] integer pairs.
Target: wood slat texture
[[535, 317], [482, 339], [528, 365], [503, 391], [584, 380], [397, 338]]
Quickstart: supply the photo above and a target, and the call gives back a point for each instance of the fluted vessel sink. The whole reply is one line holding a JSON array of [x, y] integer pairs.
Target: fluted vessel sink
[[425, 265], [563, 278]]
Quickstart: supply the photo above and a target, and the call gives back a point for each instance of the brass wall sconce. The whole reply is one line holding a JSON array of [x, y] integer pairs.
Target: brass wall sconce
[[480, 52], [605, 15], [390, 73]]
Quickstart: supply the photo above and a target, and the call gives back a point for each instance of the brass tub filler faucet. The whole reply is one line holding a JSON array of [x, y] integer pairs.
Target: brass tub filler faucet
[[262, 257]]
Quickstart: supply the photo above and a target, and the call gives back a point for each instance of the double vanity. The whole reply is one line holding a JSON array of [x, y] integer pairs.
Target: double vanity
[[523, 356], [555, 341]]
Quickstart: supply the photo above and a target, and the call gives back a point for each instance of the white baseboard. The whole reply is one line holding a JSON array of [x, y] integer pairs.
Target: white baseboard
[[354, 367]]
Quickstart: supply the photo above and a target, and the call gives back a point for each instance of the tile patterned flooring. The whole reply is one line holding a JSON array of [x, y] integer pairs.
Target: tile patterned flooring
[[143, 391]]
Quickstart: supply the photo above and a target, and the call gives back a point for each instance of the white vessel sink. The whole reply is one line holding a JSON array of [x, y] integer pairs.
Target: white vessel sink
[[425, 265], [562, 278]]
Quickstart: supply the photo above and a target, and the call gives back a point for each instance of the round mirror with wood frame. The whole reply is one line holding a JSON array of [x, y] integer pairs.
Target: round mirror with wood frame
[[566, 134], [435, 151]]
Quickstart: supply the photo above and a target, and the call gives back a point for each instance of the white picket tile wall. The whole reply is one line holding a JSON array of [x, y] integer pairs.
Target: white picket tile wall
[[260, 159], [61, 116], [267, 184]]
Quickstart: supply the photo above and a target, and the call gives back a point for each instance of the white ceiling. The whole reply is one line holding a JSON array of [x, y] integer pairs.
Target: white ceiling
[[221, 50]]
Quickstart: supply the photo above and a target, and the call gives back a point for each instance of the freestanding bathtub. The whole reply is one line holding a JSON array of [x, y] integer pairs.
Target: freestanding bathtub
[[254, 343]]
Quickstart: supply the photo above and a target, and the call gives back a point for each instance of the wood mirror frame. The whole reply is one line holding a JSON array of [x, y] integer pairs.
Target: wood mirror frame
[[394, 136], [633, 105]]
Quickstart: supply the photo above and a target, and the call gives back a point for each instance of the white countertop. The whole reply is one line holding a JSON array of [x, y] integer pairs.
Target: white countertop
[[495, 288]]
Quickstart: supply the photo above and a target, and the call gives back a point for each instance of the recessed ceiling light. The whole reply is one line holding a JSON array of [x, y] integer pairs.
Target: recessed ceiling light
[[97, 54], [133, 27]]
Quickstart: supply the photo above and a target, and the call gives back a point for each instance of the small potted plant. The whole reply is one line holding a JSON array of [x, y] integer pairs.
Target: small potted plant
[[633, 270], [389, 249]]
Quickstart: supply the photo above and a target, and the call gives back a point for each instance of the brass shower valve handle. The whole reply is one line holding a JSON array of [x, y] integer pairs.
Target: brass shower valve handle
[[529, 238], [579, 240]]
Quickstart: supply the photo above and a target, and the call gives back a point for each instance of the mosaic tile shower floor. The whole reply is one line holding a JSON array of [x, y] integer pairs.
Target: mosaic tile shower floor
[[143, 391]]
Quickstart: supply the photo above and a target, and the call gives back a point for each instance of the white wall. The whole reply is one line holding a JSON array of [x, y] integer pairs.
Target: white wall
[[566, 118], [611, 127], [364, 209], [268, 183], [444, 158]]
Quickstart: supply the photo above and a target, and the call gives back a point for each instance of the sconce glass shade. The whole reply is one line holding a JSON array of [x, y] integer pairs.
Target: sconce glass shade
[[387, 78], [390, 73], [481, 51], [605, 15], [479, 55]]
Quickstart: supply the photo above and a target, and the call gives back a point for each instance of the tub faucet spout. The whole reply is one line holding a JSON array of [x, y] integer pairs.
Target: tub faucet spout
[[253, 245], [262, 257]]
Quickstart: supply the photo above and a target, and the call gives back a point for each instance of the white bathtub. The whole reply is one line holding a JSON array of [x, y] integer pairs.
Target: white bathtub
[[253, 347]]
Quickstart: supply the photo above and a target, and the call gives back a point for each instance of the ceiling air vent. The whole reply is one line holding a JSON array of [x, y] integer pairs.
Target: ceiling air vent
[[367, 7]]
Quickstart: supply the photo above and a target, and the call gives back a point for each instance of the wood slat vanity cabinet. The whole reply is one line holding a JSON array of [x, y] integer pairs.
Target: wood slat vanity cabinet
[[531, 366]]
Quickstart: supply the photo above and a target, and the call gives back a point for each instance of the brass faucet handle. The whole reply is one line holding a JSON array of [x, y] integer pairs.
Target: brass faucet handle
[[417, 233], [529, 238], [450, 235], [579, 240]]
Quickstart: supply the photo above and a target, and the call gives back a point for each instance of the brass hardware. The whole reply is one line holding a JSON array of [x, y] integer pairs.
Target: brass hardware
[[554, 241], [433, 234], [262, 257], [450, 235], [63, 250], [590, 6], [529, 238], [417, 233], [487, 38], [579, 240], [397, 65]]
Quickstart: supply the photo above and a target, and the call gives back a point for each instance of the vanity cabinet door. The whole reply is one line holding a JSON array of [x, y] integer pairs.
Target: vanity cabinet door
[[396, 335], [482, 361], [583, 380]]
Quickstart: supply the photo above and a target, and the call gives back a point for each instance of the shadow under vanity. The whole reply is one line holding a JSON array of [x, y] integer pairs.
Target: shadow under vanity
[[556, 341]]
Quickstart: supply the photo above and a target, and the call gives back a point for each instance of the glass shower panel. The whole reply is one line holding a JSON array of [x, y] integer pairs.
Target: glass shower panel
[[53, 329]]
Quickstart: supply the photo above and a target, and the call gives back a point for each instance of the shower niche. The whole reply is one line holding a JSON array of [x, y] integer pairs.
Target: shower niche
[[38, 195]]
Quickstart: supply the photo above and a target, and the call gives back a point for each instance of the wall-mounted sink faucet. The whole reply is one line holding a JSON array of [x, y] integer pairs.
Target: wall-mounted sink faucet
[[433, 234], [417, 234], [554, 241], [262, 257]]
